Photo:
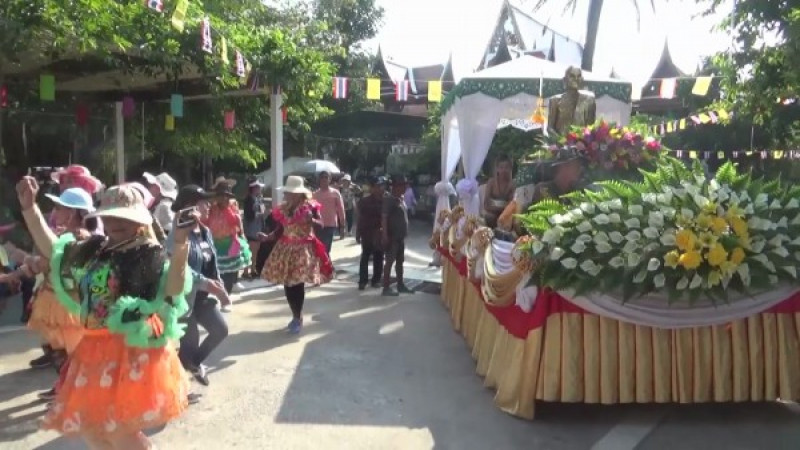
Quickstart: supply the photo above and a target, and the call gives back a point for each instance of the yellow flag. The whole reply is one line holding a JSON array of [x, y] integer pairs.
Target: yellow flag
[[434, 91], [748, 153], [682, 124], [777, 154], [704, 118], [374, 89], [669, 127], [224, 46], [692, 154], [723, 115], [721, 155], [701, 85], [169, 122], [179, 16]]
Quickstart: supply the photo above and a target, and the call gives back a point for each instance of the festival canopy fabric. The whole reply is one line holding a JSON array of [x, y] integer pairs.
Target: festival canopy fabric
[[505, 95]]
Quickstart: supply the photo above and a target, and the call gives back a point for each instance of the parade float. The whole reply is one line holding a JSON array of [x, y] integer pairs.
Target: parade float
[[675, 285]]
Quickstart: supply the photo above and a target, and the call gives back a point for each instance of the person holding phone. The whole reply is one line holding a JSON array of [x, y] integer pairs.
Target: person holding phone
[[191, 206], [298, 258]]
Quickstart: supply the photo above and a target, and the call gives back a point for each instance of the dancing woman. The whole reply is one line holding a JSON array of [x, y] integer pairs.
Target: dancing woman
[[124, 376], [298, 258]]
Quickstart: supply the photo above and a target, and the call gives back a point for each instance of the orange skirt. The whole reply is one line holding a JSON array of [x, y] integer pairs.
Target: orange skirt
[[111, 388], [53, 322]]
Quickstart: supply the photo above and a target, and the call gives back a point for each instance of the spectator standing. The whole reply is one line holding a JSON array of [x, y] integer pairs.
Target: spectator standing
[[164, 189], [394, 230], [333, 218], [253, 212], [368, 233], [411, 200], [350, 195]]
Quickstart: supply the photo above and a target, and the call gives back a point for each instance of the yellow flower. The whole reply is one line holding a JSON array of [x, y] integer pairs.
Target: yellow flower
[[718, 225], [710, 208], [728, 268], [714, 278], [685, 240], [690, 260], [737, 255], [671, 259], [707, 239], [717, 255], [739, 226], [703, 221], [734, 211]]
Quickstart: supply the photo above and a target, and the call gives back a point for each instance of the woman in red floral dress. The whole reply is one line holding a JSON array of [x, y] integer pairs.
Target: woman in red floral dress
[[298, 258]]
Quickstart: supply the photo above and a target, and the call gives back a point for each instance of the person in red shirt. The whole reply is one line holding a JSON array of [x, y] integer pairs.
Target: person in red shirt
[[333, 216]]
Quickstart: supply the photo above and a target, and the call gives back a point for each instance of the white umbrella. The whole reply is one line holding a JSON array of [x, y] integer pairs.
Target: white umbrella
[[316, 166]]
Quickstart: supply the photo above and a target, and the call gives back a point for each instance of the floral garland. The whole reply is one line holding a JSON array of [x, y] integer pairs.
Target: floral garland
[[679, 232]]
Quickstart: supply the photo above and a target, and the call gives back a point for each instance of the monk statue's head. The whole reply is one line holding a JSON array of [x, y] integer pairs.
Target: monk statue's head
[[573, 79]]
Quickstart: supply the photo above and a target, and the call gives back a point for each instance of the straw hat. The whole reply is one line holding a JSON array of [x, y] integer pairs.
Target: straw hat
[[73, 198], [223, 181], [123, 202], [296, 185]]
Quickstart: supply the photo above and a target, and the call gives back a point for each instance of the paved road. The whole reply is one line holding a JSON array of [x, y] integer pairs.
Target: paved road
[[376, 373]]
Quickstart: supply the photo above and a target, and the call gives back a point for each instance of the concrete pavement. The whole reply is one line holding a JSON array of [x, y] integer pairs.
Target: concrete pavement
[[376, 373]]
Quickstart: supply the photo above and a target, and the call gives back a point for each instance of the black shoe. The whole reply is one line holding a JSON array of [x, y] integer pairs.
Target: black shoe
[[194, 398], [376, 284], [199, 374], [402, 289], [362, 286], [42, 362], [47, 395], [389, 292]]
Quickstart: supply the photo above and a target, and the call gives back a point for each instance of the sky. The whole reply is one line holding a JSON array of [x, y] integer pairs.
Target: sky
[[419, 32]]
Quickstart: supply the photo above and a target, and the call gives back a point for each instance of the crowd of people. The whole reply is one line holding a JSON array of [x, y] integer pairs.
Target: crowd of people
[[119, 276]]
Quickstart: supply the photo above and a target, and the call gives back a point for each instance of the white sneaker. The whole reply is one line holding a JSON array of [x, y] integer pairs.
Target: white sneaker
[[226, 308]]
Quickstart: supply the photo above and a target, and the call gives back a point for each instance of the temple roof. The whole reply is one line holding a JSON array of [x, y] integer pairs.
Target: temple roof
[[391, 71], [666, 68]]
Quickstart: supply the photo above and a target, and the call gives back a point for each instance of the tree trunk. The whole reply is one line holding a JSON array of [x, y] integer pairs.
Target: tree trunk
[[592, 25]]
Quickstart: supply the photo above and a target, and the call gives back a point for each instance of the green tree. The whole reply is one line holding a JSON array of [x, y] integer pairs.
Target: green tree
[[592, 23]]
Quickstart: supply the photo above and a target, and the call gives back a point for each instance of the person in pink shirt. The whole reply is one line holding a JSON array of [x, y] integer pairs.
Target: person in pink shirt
[[332, 211]]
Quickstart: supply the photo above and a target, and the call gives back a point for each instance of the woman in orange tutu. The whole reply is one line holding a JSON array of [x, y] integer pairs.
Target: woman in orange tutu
[[60, 329], [124, 376], [298, 258]]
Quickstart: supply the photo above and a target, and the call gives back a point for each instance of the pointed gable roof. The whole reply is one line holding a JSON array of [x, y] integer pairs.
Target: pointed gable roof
[[503, 54], [666, 68]]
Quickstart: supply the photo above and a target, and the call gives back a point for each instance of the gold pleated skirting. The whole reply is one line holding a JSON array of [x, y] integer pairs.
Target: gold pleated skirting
[[580, 357]]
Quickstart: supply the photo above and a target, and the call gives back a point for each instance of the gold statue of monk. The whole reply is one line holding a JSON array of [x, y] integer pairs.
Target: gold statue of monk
[[572, 107]]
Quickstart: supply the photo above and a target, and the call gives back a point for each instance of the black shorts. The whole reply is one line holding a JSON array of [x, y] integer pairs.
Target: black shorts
[[396, 251]]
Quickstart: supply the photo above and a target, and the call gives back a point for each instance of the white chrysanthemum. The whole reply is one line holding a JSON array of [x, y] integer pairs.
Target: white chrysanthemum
[[650, 233], [781, 251], [776, 241], [601, 236], [793, 204], [634, 259], [744, 273], [603, 207], [783, 222], [757, 245], [616, 262], [614, 218], [653, 264], [700, 201], [556, 253], [655, 219], [761, 200], [601, 219], [683, 283], [584, 227], [615, 204], [584, 238], [557, 219], [659, 280], [795, 242], [631, 246], [590, 267], [696, 282], [603, 247], [749, 209], [775, 204], [640, 277], [616, 237], [679, 192], [578, 247], [687, 213], [773, 279], [791, 270], [668, 212], [635, 210], [537, 246], [569, 263], [764, 260], [551, 236], [665, 198], [587, 207], [633, 222], [649, 198], [668, 238], [633, 235]]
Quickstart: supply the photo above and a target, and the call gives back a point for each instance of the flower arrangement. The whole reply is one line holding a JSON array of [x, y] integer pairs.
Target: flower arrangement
[[678, 231], [610, 147]]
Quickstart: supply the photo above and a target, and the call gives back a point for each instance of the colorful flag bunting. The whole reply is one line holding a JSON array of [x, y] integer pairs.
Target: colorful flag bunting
[[128, 107], [82, 114], [720, 155], [668, 86], [401, 91], [669, 127], [723, 115], [373, 89], [169, 123], [230, 120], [157, 5], [285, 115], [704, 118], [47, 88], [777, 154], [692, 154], [682, 124], [4, 96], [435, 91], [176, 105], [179, 15], [701, 86], [340, 85], [240, 69], [223, 43], [205, 30]]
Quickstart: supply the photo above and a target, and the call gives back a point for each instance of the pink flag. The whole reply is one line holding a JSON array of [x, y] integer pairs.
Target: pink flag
[[668, 86], [206, 36], [230, 120]]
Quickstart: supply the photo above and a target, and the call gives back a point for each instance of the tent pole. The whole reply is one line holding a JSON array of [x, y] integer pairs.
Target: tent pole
[[276, 142], [119, 128]]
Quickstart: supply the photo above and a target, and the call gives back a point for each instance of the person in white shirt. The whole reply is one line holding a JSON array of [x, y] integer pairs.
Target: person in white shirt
[[164, 189]]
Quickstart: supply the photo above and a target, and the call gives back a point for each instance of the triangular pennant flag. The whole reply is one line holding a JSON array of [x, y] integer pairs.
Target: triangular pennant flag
[[401, 91], [679, 154], [435, 91], [241, 71], [169, 123], [763, 154], [713, 117], [176, 105], [223, 44], [706, 155], [735, 154], [777, 154], [668, 86], [373, 89], [157, 5], [723, 115], [205, 32], [340, 85], [748, 153], [47, 88], [284, 115], [179, 15], [695, 119], [701, 85], [661, 129], [682, 124], [704, 118], [692, 154], [669, 127], [230, 120], [720, 155]]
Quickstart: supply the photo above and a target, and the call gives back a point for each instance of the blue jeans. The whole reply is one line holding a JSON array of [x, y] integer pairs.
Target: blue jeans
[[326, 236]]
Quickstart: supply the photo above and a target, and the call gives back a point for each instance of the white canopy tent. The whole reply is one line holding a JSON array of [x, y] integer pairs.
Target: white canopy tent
[[507, 95]]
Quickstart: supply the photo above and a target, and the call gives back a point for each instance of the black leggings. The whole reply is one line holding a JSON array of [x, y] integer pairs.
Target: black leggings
[[296, 296], [229, 280]]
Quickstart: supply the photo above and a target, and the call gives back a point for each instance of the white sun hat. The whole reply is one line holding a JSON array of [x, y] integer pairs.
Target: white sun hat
[[73, 198], [123, 202], [296, 185], [167, 185]]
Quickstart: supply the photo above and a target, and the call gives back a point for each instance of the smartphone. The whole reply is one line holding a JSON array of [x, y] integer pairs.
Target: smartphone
[[186, 217]]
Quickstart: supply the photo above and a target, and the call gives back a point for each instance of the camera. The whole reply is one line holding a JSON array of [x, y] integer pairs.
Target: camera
[[43, 175]]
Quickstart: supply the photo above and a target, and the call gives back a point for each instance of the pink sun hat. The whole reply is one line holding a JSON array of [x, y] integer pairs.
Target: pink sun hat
[[80, 176]]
